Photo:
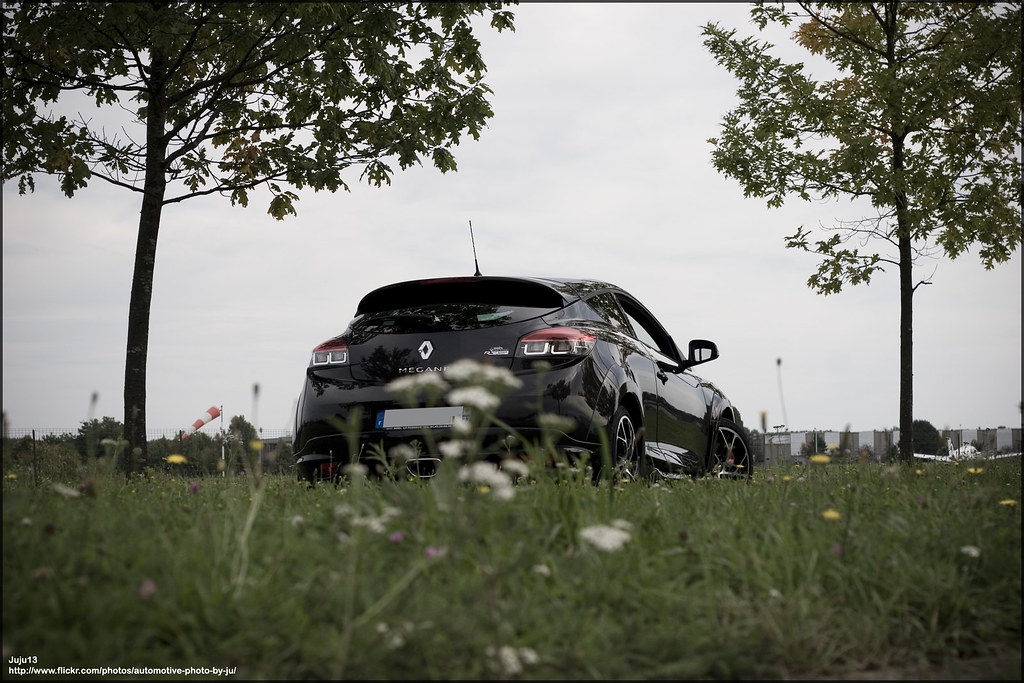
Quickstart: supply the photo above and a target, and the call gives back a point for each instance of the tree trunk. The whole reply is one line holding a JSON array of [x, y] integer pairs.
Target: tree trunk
[[906, 349], [145, 261]]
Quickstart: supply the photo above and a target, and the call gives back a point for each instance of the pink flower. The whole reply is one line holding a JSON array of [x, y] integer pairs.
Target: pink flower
[[193, 487], [147, 589], [431, 552], [396, 537]]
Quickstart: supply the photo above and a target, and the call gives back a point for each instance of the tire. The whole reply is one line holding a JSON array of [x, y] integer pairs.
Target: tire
[[625, 449], [730, 453]]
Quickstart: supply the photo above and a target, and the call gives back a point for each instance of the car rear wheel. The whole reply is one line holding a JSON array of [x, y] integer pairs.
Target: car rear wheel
[[624, 446], [730, 453]]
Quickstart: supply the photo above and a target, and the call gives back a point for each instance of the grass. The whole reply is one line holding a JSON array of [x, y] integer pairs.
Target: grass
[[824, 571]]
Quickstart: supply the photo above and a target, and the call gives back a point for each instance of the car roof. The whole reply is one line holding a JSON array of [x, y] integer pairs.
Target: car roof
[[542, 292]]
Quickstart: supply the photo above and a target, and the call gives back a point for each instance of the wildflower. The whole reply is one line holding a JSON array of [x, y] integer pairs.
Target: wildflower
[[510, 660], [356, 469], [556, 423], [403, 452], [517, 468], [461, 427], [774, 593], [486, 474], [298, 521], [604, 537], [970, 550], [147, 589], [542, 569], [193, 487], [454, 449], [432, 552], [66, 491], [396, 537], [837, 548], [469, 371], [12, 476], [1009, 502], [831, 515], [176, 459], [975, 470], [43, 573], [820, 459], [476, 397], [786, 477], [410, 386], [393, 637], [256, 445]]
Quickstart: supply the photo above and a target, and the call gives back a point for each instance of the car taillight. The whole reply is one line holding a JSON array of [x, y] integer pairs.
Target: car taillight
[[330, 353], [557, 341]]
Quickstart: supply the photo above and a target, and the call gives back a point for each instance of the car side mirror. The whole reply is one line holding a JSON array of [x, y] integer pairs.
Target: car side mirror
[[701, 351]]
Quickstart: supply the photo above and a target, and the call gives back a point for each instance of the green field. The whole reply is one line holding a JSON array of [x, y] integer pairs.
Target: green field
[[829, 570]]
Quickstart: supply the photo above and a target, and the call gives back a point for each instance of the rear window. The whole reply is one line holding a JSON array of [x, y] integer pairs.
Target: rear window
[[443, 317], [453, 304]]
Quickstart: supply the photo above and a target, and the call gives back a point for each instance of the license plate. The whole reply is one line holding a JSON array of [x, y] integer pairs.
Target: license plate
[[418, 418]]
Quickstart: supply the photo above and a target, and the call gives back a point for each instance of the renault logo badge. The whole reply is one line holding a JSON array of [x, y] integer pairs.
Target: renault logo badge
[[426, 348]]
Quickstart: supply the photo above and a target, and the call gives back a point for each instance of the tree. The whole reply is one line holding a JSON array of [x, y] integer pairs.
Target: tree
[[927, 438], [94, 435], [923, 121], [228, 98]]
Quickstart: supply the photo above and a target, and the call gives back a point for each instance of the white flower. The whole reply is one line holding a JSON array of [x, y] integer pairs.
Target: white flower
[[542, 569], [517, 468], [356, 469], [477, 397], [486, 474], [454, 449], [461, 427], [556, 423], [971, 550], [468, 371], [510, 660], [604, 537], [403, 452], [424, 381]]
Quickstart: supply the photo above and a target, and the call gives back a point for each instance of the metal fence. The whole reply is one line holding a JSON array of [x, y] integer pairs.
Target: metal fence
[[151, 434], [773, 447]]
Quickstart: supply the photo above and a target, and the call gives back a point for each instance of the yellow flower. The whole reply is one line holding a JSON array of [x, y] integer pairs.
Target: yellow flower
[[176, 459], [976, 470], [12, 476], [821, 459], [786, 477], [256, 445], [1009, 502], [919, 471], [221, 465], [831, 515]]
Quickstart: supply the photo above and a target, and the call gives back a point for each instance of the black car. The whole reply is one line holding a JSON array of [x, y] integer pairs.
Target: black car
[[582, 357]]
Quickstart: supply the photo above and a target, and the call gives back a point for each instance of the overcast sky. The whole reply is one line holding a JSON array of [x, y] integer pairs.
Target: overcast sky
[[595, 165]]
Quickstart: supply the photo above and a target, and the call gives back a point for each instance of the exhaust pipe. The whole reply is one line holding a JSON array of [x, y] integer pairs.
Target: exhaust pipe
[[422, 468]]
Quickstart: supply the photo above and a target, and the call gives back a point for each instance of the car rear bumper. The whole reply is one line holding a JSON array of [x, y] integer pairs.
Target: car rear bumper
[[340, 421]]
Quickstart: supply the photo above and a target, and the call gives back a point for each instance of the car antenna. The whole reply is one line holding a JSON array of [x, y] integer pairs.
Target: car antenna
[[473, 241]]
